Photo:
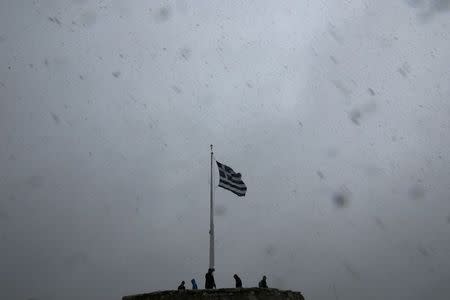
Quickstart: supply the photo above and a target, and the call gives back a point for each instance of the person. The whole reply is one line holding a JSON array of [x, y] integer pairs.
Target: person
[[181, 286], [194, 284], [209, 280], [238, 281], [263, 283]]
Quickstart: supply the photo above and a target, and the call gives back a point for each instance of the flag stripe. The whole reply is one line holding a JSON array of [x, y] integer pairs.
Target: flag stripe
[[236, 181], [231, 189], [240, 187]]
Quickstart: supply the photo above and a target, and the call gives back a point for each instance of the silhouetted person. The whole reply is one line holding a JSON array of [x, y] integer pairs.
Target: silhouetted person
[[238, 281], [181, 286], [194, 284], [263, 283], [209, 280]]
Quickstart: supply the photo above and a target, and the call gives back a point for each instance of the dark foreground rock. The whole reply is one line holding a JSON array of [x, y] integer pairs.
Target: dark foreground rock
[[220, 294]]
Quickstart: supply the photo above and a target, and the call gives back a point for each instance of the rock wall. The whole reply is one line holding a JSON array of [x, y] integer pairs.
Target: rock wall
[[220, 294]]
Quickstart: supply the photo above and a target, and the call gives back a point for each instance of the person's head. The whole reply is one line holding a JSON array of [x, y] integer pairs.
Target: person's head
[[182, 283], [210, 270], [235, 276], [264, 277]]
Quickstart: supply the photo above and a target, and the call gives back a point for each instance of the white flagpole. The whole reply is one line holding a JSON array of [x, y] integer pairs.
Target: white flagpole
[[211, 217]]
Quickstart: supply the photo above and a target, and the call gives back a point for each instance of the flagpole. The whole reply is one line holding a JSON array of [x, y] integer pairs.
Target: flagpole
[[211, 216]]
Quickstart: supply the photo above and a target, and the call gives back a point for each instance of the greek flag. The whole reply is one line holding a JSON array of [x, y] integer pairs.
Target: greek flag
[[231, 180]]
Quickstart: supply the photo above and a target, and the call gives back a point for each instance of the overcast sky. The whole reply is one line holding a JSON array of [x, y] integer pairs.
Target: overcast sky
[[336, 113]]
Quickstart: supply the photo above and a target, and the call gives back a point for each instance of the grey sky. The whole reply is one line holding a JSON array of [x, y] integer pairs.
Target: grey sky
[[336, 113]]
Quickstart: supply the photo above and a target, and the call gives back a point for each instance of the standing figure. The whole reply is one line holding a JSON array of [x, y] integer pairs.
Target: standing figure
[[194, 284], [209, 280], [238, 281]]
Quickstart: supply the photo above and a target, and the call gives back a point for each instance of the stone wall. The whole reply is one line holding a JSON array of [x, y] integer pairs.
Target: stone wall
[[220, 294]]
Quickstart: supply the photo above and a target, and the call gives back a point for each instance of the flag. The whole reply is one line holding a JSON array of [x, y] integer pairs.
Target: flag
[[231, 180]]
